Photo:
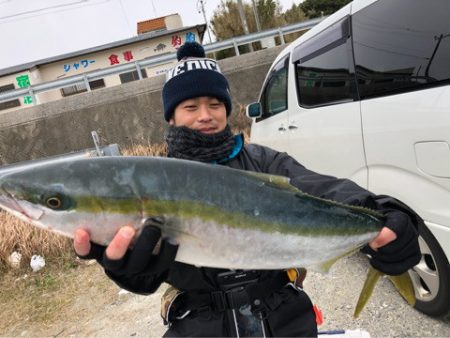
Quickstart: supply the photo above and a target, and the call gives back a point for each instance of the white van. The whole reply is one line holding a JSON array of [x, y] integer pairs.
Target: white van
[[365, 95]]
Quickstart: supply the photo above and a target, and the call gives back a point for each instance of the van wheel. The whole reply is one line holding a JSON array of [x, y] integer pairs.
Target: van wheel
[[431, 277]]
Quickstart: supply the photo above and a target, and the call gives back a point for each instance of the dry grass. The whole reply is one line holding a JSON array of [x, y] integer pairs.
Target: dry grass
[[34, 297], [239, 122], [159, 149], [28, 240], [33, 302]]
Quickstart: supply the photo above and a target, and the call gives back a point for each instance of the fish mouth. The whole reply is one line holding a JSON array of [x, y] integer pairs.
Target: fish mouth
[[23, 209]]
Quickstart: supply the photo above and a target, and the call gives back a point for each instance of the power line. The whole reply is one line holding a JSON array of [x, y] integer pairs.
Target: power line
[[42, 9], [154, 10]]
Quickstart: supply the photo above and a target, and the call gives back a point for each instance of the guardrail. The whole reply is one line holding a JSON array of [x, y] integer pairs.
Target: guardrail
[[109, 150], [154, 61]]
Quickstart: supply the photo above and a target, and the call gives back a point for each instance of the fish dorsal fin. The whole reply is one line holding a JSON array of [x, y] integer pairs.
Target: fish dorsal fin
[[284, 183], [356, 208], [277, 181]]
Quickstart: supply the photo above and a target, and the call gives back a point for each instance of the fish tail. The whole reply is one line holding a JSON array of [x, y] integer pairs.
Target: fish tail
[[402, 283], [372, 278], [404, 286]]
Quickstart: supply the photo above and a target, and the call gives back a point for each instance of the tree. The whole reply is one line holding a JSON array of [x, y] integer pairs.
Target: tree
[[226, 22], [317, 8], [294, 14], [269, 12]]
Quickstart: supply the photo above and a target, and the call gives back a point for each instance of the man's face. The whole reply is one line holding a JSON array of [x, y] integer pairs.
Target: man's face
[[205, 114]]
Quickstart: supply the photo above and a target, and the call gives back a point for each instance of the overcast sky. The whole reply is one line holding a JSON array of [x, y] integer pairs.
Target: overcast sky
[[36, 29]]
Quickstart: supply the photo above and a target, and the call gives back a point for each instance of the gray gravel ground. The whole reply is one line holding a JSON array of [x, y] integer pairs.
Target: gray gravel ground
[[336, 293], [386, 314]]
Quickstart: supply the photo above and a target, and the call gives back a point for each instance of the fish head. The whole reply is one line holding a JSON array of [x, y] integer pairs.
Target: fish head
[[33, 202], [42, 195], [60, 187], [64, 196]]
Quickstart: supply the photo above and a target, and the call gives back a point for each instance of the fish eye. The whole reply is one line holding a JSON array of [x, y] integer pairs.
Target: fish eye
[[56, 201], [53, 202]]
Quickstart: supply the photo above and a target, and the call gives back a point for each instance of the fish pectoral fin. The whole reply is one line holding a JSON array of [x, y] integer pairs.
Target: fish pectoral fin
[[404, 286], [372, 278], [326, 266]]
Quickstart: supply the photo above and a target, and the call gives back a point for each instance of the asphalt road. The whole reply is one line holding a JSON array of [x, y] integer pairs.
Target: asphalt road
[[386, 314]]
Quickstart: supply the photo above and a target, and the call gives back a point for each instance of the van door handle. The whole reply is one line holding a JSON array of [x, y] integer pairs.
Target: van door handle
[[292, 126], [282, 128]]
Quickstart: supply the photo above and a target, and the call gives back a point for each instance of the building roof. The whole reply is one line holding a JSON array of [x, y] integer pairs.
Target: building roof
[[151, 25], [141, 37]]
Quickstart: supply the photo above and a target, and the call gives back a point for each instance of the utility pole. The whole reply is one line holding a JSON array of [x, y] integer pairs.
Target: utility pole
[[438, 39], [255, 11], [244, 22], [202, 10]]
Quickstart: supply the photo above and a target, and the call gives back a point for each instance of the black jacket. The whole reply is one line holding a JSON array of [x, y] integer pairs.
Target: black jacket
[[291, 313]]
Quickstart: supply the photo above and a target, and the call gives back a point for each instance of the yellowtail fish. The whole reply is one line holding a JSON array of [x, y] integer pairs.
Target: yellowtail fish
[[220, 217]]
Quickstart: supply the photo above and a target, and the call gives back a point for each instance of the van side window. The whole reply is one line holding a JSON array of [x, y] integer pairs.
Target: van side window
[[324, 67], [400, 53], [274, 98]]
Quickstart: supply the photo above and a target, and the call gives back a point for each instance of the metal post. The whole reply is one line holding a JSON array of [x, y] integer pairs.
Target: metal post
[[96, 140], [280, 33], [33, 96], [86, 83], [236, 49], [138, 69]]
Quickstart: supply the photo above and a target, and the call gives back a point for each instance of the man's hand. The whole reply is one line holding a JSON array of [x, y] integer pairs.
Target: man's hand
[[385, 236], [396, 249], [131, 266], [115, 250]]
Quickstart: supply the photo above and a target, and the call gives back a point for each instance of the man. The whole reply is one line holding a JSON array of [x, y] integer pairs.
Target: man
[[218, 302]]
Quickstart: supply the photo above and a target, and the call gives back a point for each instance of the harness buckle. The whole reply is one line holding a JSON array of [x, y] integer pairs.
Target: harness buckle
[[237, 297]]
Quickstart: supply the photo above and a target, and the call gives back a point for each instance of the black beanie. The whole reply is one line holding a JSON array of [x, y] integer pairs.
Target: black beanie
[[194, 76]]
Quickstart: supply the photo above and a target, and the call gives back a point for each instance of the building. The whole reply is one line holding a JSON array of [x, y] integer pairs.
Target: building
[[155, 37]]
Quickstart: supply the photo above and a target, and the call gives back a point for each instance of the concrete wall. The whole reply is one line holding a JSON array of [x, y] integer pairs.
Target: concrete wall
[[127, 114], [12, 79]]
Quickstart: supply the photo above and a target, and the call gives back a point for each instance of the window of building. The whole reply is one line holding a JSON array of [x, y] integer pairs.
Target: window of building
[[11, 103], [324, 68], [81, 88], [132, 76], [399, 53], [274, 98]]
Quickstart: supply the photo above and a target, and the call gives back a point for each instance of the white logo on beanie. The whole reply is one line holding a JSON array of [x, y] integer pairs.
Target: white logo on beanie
[[192, 64]]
